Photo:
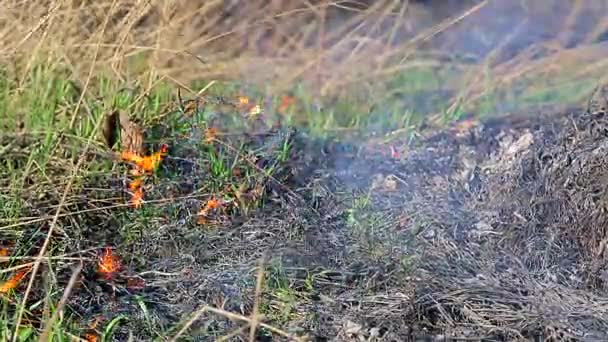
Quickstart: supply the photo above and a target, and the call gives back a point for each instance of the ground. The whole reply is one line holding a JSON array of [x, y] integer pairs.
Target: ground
[[464, 232]]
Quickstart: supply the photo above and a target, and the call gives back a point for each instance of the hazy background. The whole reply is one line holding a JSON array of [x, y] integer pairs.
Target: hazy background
[[432, 56]]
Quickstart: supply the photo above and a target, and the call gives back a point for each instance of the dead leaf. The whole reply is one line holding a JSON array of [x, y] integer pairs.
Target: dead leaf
[[131, 135], [210, 135], [384, 183], [463, 127], [190, 107], [254, 111], [110, 129]]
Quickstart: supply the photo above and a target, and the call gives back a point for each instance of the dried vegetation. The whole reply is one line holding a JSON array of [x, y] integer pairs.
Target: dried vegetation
[[150, 221]]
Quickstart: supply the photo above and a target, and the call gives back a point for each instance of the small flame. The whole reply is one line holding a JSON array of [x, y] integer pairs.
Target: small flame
[[90, 337], [255, 110], [147, 163], [13, 281], [137, 198], [286, 102], [130, 157], [142, 165], [212, 204], [108, 263], [204, 211], [135, 184], [243, 100]]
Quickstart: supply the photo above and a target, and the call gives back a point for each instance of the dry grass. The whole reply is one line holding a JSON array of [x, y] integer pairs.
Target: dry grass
[[331, 45], [335, 48]]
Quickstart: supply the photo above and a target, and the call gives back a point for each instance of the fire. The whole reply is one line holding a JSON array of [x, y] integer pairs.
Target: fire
[[204, 211], [108, 263], [146, 163], [212, 204], [137, 198], [255, 110], [286, 102], [135, 184], [243, 100], [246, 105], [142, 165], [90, 337], [13, 281], [131, 157]]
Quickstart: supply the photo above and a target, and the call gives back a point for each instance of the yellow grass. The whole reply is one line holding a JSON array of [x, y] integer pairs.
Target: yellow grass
[[270, 43]]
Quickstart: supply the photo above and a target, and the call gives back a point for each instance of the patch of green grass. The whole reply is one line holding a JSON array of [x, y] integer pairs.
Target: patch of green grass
[[284, 297], [357, 210]]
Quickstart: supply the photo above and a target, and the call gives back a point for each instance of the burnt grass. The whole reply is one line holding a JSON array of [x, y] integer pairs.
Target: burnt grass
[[495, 232]]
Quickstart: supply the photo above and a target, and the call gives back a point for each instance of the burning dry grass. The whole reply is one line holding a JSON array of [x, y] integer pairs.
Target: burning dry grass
[[455, 239], [469, 234]]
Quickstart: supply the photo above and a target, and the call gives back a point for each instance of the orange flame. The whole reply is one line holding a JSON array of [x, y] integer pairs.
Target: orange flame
[[135, 184], [212, 203], [286, 101], [141, 166], [13, 281], [108, 263], [147, 163], [90, 337], [137, 198], [204, 211], [243, 100]]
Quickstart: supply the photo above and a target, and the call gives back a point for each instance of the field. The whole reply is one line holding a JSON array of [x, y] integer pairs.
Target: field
[[303, 170]]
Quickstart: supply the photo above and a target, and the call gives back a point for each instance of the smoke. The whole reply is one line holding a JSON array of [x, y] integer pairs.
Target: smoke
[[340, 47], [515, 26]]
